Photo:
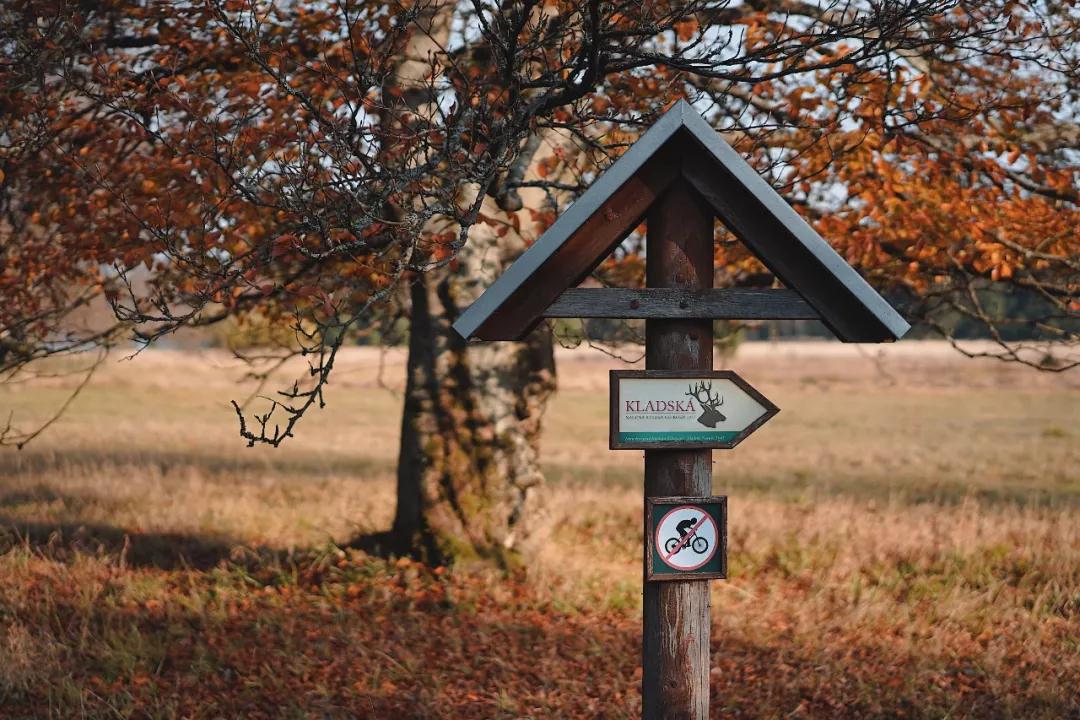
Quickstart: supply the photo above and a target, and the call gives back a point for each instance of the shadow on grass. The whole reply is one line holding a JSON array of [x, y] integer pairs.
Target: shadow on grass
[[32, 462], [381, 641], [384, 544], [327, 634], [165, 551], [63, 540], [162, 550]]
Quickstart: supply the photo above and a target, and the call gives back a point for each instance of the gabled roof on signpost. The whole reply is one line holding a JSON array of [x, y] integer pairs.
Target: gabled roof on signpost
[[681, 144]]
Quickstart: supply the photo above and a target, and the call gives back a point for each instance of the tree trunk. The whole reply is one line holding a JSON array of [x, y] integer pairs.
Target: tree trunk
[[469, 482], [468, 473]]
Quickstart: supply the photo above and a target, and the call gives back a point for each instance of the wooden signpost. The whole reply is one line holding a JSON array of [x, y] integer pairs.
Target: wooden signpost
[[679, 177]]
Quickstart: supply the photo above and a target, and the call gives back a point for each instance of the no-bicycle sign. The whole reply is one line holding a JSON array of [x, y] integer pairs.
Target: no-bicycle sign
[[687, 538]]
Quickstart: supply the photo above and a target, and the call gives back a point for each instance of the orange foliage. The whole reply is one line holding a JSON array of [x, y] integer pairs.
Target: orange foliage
[[193, 161]]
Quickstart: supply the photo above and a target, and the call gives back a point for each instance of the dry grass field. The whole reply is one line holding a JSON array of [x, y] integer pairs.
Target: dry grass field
[[905, 542]]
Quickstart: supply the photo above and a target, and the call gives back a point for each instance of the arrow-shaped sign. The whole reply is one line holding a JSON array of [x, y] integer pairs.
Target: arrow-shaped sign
[[655, 409]]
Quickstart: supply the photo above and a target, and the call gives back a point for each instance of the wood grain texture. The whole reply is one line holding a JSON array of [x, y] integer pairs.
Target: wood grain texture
[[675, 679], [767, 237], [674, 303], [682, 145], [585, 249]]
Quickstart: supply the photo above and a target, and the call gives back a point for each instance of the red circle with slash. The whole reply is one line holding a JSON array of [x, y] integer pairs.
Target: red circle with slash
[[704, 527]]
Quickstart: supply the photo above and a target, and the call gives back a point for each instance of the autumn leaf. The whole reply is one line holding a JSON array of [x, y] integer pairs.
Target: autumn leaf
[[687, 28]]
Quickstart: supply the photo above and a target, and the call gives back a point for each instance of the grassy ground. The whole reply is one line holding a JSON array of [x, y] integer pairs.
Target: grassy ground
[[905, 542]]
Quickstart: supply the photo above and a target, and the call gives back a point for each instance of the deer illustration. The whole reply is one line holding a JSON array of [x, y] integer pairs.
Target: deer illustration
[[710, 415]]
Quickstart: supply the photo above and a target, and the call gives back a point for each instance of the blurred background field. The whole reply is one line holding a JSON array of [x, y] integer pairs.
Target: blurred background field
[[904, 542]]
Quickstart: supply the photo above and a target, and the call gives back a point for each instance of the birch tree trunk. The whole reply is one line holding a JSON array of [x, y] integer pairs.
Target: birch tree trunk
[[469, 482], [468, 479]]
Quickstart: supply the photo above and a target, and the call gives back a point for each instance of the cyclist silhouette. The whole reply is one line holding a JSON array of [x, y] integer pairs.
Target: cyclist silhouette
[[698, 544], [684, 527]]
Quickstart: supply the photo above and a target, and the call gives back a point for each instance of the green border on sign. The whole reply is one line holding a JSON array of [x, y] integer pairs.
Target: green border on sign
[[715, 568]]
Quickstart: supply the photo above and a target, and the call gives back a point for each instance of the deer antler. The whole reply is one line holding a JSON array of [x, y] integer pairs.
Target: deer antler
[[694, 390], [710, 400]]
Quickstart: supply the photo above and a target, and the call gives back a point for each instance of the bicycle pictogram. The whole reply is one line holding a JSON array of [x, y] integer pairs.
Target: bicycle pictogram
[[697, 544], [685, 538]]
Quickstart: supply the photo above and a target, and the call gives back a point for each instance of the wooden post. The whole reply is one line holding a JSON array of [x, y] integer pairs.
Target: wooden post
[[681, 175], [679, 254]]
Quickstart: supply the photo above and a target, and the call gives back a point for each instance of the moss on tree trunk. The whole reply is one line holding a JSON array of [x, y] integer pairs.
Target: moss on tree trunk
[[469, 482]]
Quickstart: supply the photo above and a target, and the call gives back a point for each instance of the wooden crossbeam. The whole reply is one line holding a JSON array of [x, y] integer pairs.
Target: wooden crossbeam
[[672, 303]]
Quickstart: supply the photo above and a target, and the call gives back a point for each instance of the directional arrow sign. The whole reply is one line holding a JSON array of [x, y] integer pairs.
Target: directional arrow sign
[[658, 409]]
